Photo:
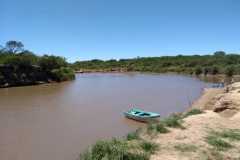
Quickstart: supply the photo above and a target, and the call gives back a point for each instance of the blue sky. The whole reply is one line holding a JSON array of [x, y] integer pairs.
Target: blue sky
[[105, 29]]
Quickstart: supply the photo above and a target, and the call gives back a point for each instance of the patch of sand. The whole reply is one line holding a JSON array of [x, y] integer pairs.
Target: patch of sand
[[208, 99]]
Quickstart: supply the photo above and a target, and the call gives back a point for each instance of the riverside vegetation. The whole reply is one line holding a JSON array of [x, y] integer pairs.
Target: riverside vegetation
[[137, 145], [22, 67], [208, 131], [218, 63], [195, 134]]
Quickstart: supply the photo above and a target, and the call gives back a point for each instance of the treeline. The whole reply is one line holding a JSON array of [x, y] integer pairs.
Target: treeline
[[218, 63], [22, 67]]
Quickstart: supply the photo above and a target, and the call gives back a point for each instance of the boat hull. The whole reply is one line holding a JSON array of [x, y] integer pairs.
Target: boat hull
[[141, 119]]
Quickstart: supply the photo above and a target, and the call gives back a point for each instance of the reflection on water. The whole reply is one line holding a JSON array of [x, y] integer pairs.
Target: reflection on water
[[57, 121]]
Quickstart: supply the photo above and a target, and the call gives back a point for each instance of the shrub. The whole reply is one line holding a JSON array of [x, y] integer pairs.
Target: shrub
[[161, 128], [192, 112], [133, 135], [21, 60], [215, 70], [112, 150], [63, 74], [86, 155], [232, 134], [135, 156], [150, 127], [206, 70], [198, 71], [218, 143], [229, 71], [149, 146], [49, 63], [174, 121]]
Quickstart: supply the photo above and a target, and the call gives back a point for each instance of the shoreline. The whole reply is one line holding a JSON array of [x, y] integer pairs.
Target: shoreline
[[206, 98], [209, 78], [208, 130], [221, 113], [219, 99]]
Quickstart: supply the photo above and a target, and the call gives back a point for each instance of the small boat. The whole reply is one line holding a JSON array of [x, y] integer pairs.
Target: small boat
[[140, 115]]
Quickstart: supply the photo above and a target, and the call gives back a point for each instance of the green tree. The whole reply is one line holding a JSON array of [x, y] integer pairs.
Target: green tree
[[206, 71], [215, 70], [229, 71], [48, 63], [14, 46], [198, 71], [63, 74], [219, 53]]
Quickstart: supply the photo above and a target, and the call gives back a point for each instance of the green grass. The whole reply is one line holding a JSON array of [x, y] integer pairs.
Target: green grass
[[192, 112], [185, 147], [218, 139], [211, 154], [134, 156], [218, 143], [133, 135], [114, 149], [173, 121], [149, 147], [151, 128], [156, 128], [160, 128], [232, 134]]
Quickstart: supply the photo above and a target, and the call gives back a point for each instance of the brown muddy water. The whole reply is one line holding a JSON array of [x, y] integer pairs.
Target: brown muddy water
[[58, 121]]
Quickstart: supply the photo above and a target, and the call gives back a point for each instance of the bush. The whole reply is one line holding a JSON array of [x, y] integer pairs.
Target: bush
[[156, 127], [198, 71], [161, 128], [214, 70], [192, 112], [232, 134], [217, 138], [63, 74], [112, 150], [174, 121], [133, 135], [218, 143], [22, 60], [229, 71], [206, 70], [150, 127], [22, 67], [149, 146], [49, 63]]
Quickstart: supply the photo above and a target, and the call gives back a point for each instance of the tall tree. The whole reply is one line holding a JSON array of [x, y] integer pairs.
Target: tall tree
[[14, 47]]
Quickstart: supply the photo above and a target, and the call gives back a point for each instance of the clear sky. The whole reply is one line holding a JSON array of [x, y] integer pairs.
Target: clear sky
[[105, 29]]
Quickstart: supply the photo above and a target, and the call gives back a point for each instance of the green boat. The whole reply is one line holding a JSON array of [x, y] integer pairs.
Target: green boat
[[140, 115]]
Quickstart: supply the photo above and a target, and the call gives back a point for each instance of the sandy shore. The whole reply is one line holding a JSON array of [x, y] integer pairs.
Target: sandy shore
[[221, 112]]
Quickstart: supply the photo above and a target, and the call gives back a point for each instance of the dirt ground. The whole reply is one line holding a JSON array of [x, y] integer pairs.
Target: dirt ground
[[221, 112]]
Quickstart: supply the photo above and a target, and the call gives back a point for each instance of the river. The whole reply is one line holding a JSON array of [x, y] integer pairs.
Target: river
[[58, 121]]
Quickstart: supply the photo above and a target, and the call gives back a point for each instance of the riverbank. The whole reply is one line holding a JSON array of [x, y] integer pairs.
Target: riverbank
[[214, 134], [14, 76], [25, 68], [209, 130]]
